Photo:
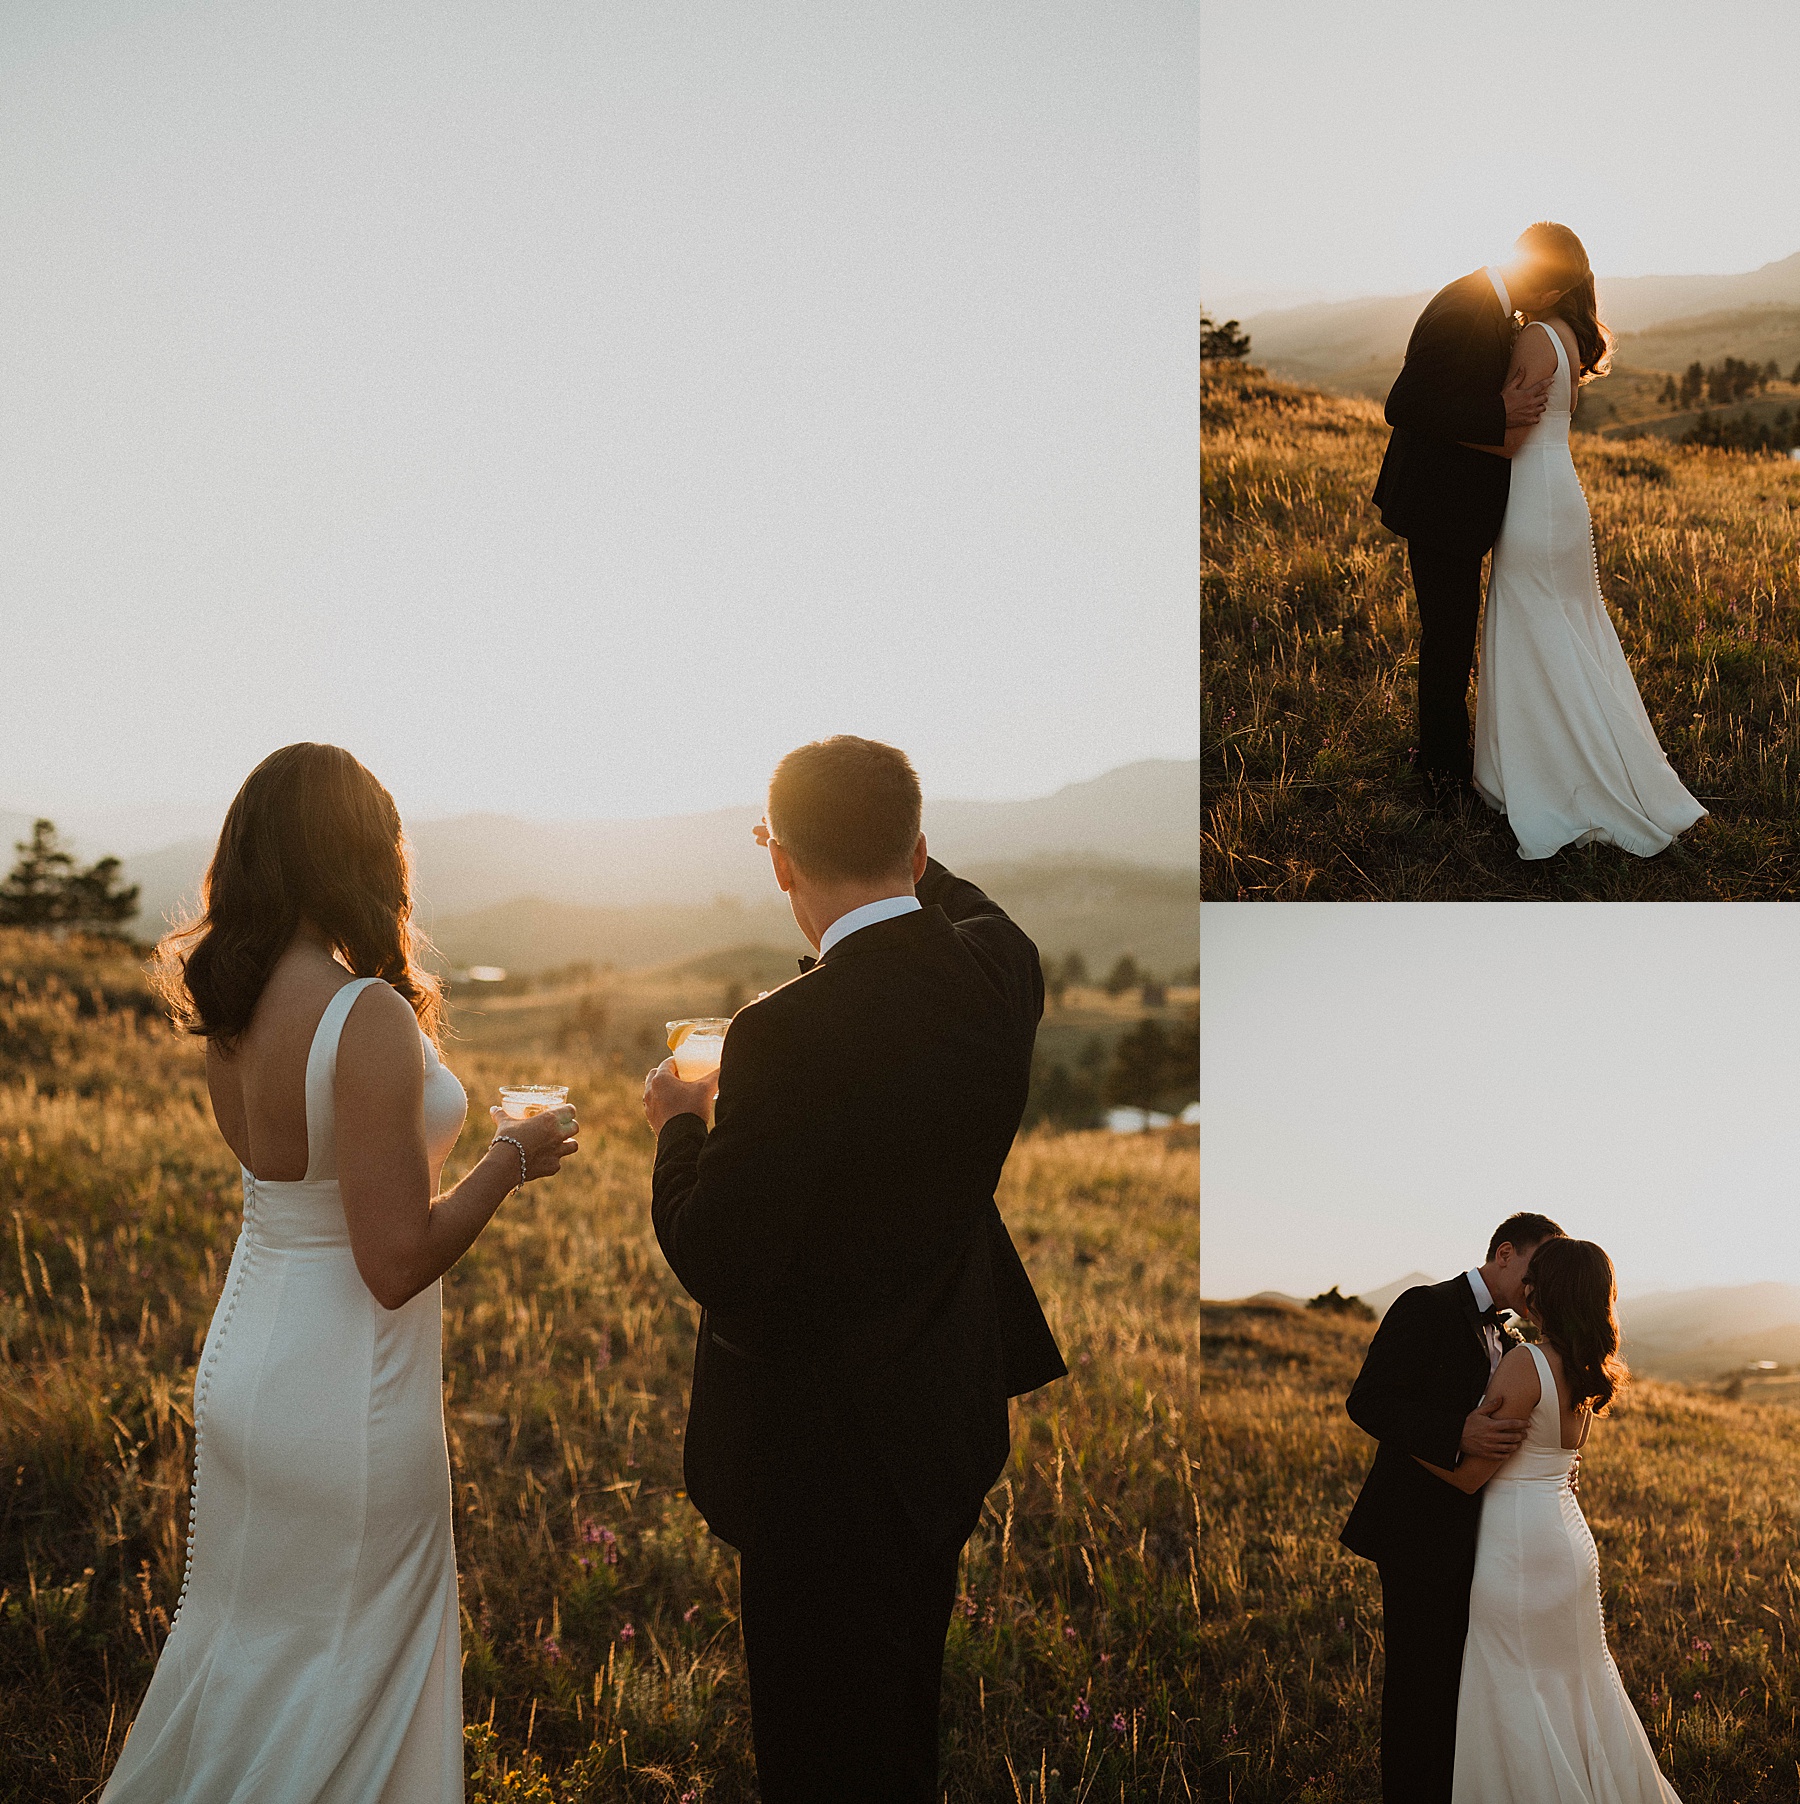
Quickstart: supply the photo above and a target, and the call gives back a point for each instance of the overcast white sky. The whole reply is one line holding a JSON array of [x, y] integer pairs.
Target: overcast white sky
[[570, 406], [1383, 1084], [1393, 145]]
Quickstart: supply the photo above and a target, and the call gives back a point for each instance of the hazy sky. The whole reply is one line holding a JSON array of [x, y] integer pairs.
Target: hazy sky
[[572, 406], [1383, 1084], [1393, 145]]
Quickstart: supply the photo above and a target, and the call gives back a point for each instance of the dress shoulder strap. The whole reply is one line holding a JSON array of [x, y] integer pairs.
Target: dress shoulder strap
[[321, 1075], [1546, 1380], [1562, 356]]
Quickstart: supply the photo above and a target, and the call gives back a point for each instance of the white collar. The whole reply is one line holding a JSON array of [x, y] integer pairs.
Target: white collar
[[1484, 1298], [866, 916], [1506, 306]]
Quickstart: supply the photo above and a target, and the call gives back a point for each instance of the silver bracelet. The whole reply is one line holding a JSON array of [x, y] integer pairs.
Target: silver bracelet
[[524, 1178]]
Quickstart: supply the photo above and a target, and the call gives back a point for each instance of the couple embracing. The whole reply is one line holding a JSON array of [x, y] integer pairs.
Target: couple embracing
[[1479, 459], [1499, 1687], [827, 1197]]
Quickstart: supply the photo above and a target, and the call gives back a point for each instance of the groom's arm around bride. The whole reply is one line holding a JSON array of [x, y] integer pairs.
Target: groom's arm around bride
[[864, 1313]]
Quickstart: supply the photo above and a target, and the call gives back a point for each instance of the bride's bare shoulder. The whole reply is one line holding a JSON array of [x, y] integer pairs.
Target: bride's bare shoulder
[[1517, 1375]]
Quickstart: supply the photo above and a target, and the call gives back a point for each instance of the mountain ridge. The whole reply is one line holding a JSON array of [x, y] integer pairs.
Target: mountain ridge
[[1358, 345], [1143, 814]]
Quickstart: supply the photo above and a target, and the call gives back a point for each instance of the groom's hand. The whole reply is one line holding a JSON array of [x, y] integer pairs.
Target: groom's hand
[[666, 1096], [1489, 1435], [1525, 402]]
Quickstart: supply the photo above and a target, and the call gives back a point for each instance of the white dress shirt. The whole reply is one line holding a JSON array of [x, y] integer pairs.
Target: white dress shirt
[[885, 910], [1506, 306], [1484, 1301]]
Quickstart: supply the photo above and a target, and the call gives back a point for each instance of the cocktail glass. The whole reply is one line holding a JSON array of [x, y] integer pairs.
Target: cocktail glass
[[519, 1102], [698, 1045]]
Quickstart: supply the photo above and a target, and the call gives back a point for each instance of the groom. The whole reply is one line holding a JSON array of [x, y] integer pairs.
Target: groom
[[1419, 1393], [1444, 495], [865, 1316]]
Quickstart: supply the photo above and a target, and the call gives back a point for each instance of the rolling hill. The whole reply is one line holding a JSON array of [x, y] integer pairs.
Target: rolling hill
[[1066, 904], [1691, 1335], [1146, 813], [1356, 347], [1101, 867]]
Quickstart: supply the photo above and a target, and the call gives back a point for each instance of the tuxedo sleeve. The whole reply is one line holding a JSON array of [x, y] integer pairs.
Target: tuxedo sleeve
[[1386, 1401], [1003, 948], [720, 1201], [1433, 394]]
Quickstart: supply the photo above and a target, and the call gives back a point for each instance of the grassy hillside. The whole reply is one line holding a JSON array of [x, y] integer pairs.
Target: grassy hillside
[[1692, 1502], [1311, 648], [601, 1653]]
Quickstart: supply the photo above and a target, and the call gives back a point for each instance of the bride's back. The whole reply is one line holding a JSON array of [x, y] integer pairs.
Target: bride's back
[[258, 1089]]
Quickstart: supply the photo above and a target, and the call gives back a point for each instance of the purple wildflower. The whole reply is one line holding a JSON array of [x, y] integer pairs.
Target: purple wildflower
[[1081, 1711], [1119, 1725], [628, 1633], [552, 1650], [1068, 1631], [591, 1533], [690, 1613]]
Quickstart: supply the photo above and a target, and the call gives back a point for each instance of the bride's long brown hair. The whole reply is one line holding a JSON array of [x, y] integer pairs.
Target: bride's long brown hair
[[1569, 1285], [1565, 263], [311, 835]]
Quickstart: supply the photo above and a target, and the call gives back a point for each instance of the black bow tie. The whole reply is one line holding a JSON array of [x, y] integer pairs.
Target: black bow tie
[[806, 964], [1491, 1315]]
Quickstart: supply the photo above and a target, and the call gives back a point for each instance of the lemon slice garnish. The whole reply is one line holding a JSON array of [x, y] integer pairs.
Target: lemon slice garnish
[[678, 1034]]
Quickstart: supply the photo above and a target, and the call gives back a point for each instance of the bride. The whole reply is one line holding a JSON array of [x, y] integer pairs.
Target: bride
[[1563, 746], [314, 1655], [1542, 1716]]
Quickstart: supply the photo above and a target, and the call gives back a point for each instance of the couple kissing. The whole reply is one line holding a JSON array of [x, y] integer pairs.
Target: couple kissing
[[1499, 1687]]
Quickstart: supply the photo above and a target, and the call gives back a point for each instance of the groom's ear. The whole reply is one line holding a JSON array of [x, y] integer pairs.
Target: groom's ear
[[918, 858], [784, 865]]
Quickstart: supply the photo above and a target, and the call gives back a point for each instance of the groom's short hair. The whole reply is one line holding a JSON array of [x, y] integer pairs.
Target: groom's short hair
[[1524, 1230], [846, 808]]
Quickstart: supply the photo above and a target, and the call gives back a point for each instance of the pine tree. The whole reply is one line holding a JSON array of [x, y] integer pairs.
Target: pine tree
[[32, 895], [1224, 343], [1124, 976]]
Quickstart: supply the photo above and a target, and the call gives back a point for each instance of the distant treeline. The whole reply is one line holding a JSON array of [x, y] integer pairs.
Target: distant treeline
[[1721, 383], [1742, 432], [1152, 1066]]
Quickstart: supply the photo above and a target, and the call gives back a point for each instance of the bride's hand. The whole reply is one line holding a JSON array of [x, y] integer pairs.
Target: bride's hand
[[547, 1139]]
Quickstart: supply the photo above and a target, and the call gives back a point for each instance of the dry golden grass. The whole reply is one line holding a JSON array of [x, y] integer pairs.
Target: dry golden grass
[[1072, 1661], [1311, 653], [1694, 1501]]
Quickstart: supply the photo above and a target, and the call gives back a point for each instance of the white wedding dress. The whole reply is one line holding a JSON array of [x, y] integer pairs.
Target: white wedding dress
[[1542, 1716], [1563, 747], [315, 1656]]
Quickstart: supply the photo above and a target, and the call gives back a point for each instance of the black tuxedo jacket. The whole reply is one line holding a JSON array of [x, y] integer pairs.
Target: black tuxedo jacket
[[865, 1315], [1432, 486], [1426, 1368]]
